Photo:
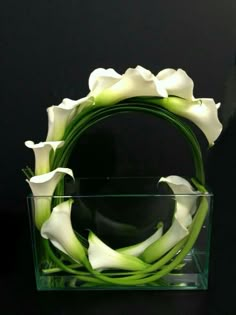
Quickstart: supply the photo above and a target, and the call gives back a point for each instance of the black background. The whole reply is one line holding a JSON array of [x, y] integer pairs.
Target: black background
[[47, 51]]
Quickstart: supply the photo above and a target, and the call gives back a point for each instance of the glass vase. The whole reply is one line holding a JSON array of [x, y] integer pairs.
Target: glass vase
[[123, 212]]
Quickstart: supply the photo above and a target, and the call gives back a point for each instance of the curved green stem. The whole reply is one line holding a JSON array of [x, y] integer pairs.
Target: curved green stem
[[173, 258], [80, 126], [83, 276]]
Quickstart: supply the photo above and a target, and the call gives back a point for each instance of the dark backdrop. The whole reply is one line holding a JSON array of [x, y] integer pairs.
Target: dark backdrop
[[47, 51]]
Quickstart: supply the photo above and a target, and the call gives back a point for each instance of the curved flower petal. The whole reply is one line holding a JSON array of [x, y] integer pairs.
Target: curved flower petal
[[101, 79], [205, 116], [134, 82], [58, 119], [43, 187], [42, 154], [58, 229], [202, 112], [185, 196], [138, 249], [60, 116], [103, 257], [157, 249], [176, 82], [185, 207], [45, 184], [72, 104]]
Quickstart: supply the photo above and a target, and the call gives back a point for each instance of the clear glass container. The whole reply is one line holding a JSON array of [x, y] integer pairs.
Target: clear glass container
[[123, 212]]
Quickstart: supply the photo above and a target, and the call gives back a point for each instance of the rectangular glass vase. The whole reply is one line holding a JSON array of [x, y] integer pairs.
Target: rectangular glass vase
[[125, 214]]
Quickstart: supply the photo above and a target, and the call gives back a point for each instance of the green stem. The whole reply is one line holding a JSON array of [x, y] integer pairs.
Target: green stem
[[57, 269], [28, 172], [94, 117], [83, 276]]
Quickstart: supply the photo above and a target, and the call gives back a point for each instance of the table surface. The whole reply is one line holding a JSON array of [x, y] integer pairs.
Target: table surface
[[19, 295]]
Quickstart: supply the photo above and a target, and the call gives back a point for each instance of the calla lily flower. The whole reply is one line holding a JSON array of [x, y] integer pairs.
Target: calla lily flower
[[185, 196], [157, 249], [202, 112], [58, 229], [108, 87], [45, 184], [137, 249], [186, 205], [103, 257], [176, 82], [60, 116], [42, 154], [101, 79], [43, 187]]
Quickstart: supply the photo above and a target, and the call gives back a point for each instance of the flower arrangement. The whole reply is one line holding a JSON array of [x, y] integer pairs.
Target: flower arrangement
[[168, 95]]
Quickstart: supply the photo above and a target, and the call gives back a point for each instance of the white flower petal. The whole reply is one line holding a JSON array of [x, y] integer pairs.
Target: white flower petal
[[72, 104], [42, 187], [101, 79], [186, 205], [58, 229], [176, 82], [205, 116], [185, 196], [141, 76], [53, 144], [134, 82], [159, 248], [42, 154], [45, 184], [137, 249], [58, 119], [60, 116], [202, 112], [103, 257]]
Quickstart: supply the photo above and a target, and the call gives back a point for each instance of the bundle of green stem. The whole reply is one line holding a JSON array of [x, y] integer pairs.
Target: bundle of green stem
[[168, 262]]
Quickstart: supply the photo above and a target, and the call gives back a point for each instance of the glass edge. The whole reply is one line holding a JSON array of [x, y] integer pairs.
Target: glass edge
[[120, 195]]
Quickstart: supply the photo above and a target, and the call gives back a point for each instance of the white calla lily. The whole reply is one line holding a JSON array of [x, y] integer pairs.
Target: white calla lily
[[176, 82], [108, 87], [137, 249], [186, 205], [185, 196], [103, 257], [157, 249], [42, 154], [101, 79], [45, 184], [42, 187], [58, 229], [202, 112], [60, 116]]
